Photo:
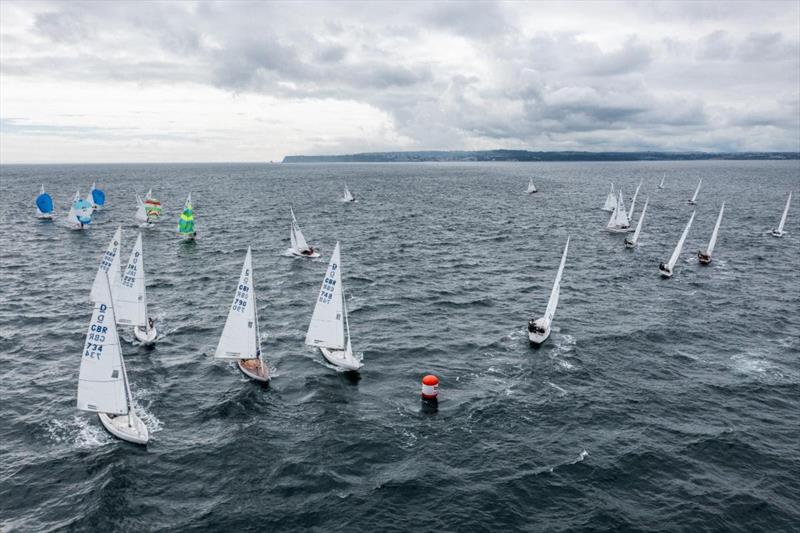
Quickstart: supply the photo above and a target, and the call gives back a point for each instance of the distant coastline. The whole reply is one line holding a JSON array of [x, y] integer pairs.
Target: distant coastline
[[525, 155]]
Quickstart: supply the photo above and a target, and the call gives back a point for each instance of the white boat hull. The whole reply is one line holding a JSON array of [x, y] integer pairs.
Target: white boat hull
[[629, 244], [126, 427], [537, 339], [145, 336], [341, 359], [44, 216], [261, 374], [665, 273], [776, 233], [297, 253], [620, 230]]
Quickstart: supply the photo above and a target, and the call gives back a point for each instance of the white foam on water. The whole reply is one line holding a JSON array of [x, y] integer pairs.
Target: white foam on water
[[152, 422], [78, 431], [556, 387]]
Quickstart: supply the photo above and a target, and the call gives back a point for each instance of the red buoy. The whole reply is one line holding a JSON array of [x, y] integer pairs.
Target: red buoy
[[430, 387]]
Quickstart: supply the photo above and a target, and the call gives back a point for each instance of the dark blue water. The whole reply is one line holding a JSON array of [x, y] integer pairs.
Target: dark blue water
[[656, 405]]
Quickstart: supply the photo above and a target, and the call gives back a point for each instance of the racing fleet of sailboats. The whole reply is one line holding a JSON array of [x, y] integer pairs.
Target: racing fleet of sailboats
[[119, 298]]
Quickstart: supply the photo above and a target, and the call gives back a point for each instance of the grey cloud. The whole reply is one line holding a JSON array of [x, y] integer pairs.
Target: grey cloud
[[61, 26], [715, 46]]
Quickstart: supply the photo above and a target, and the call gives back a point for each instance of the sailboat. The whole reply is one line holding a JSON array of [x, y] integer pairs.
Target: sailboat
[[103, 386], [539, 329], [633, 202], [109, 267], [705, 257], [141, 213], [329, 329], [152, 207], [131, 297], [240, 340], [186, 222], [693, 199], [611, 200], [666, 269], [619, 221], [96, 197], [779, 231], [531, 187], [661, 185], [630, 242], [348, 196], [44, 205], [299, 246], [80, 213]]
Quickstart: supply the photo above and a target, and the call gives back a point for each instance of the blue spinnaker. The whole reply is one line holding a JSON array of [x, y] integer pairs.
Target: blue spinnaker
[[45, 203], [98, 196], [83, 211]]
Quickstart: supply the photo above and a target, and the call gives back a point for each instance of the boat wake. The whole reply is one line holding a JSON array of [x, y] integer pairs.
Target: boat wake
[[152, 422]]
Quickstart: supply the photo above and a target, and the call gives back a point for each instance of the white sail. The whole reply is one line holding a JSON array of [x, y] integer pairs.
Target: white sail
[[149, 194], [298, 240], [552, 304], [785, 213], [639, 224], [348, 196], [327, 322], [141, 213], [129, 294], [531, 186], [677, 252], [661, 185], [239, 338], [72, 216], [633, 202], [102, 380], [619, 218], [697, 190], [713, 240], [611, 200], [109, 266]]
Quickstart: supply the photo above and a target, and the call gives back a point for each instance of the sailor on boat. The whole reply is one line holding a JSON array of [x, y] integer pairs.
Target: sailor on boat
[[308, 251], [663, 267], [146, 332], [703, 257], [536, 326]]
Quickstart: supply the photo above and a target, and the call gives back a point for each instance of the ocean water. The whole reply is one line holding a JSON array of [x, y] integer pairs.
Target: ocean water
[[656, 405]]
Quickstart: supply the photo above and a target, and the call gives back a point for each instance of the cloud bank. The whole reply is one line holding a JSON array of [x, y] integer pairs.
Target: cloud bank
[[253, 81]]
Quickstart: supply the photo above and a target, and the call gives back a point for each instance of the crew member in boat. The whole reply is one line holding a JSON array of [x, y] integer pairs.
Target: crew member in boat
[[703, 257], [308, 251], [534, 327], [663, 267]]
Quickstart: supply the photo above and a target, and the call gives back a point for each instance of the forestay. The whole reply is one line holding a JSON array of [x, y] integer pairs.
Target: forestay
[[129, 293], [239, 338], [327, 327], [109, 266], [101, 384]]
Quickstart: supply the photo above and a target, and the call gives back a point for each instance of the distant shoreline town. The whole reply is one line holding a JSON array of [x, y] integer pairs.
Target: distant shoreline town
[[525, 155]]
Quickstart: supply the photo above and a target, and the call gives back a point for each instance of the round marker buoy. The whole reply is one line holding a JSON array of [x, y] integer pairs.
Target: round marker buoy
[[430, 387]]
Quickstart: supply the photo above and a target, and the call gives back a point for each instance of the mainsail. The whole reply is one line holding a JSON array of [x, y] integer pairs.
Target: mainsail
[[109, 268], [129, 293], [611, 200], [713, 240], [635, 238], [296, 236], [186, 222], [785, 213], [327, 322], [239, 338], [633, 202], [102, 383], [348, 196], [677, 252], [141, 212], [552, 304]]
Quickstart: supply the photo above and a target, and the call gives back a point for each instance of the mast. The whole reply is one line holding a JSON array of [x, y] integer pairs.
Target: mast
[[128, 394]]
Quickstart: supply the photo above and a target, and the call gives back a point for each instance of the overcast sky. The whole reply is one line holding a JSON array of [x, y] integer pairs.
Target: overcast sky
[[228, 81]]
